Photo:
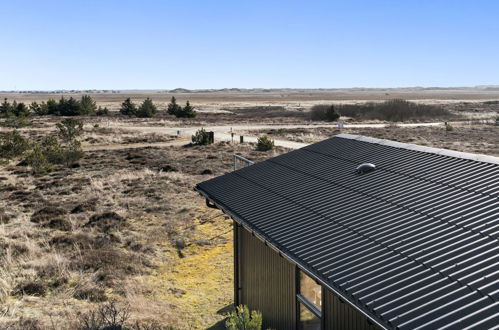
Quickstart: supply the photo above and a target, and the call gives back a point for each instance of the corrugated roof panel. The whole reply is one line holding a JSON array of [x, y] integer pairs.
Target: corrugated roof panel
[[409, 243]]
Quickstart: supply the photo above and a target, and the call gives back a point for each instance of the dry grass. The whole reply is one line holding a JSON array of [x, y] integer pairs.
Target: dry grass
[[474, 138], [125, 226]]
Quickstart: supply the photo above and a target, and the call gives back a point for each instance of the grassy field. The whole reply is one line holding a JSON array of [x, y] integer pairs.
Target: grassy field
[[125, 225], [466, 137], [124, 231]]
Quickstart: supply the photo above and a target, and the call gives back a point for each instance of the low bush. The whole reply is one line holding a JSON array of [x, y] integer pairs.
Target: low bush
[[38, 160], [201, 137], [264, 143], [52, 150], [324, 112], [16, 121], [108, 316], [31, 288], [396, 110], [102, 111], [13, 144], [90, 293], [242, 319], [69, 129]]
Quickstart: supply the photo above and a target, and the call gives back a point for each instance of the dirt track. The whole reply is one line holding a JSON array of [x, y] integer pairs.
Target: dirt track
[[223, 133]]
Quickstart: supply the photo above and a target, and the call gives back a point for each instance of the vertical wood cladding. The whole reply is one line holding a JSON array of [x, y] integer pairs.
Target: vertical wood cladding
[[267, 282], [340, 315]]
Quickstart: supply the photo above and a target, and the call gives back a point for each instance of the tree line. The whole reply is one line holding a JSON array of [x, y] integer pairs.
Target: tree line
[[86, 106]]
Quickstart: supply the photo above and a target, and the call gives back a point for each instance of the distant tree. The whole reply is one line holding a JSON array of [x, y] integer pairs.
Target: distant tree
[[128, 108], [324, 112], [188, 111], [69, 107], [38, 109], [52, 107], [87, 105], [147, 109], [20, 109], [5, 108], [179, 112], [102, 111], [173, 107]]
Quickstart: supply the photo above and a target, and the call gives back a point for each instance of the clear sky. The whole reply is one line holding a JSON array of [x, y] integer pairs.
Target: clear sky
[[145, 44]]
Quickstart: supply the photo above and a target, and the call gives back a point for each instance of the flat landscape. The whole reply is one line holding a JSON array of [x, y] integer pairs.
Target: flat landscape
[[121, 229]]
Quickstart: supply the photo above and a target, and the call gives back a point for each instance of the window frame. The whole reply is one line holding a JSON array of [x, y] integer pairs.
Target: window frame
[[302, 300]]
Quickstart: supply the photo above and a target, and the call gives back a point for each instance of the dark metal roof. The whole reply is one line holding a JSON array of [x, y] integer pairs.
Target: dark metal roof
[[413, 244]]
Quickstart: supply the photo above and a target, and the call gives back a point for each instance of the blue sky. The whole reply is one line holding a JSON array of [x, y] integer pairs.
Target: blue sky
[[215, 44]]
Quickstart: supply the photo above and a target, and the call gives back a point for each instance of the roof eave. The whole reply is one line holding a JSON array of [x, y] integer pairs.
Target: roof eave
[[293, 260]]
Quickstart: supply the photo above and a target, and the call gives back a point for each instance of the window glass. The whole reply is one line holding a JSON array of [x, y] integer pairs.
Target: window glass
[[308, 320], [311, 290]]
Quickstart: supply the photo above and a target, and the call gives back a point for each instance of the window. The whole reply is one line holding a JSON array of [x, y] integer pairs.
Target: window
[[309, 302], [310, 290], [308, 320]]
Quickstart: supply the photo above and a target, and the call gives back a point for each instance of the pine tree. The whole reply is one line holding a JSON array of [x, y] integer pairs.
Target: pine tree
[[87, 105], [173, 107], [147, 109], [188, 111], [5, 108], [128, 108], [53, 107]]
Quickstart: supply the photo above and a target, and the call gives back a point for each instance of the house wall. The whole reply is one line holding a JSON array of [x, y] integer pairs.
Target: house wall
[[341, 315], [266, 281]]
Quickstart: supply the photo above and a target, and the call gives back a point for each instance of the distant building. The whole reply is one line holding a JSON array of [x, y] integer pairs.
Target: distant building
[[407, 241]]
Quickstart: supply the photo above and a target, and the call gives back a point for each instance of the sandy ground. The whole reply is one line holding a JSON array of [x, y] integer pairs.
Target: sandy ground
[[289, 98]]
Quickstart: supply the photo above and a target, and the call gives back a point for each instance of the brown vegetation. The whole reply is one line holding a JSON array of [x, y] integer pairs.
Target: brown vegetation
[[114, 228], [123, 239]]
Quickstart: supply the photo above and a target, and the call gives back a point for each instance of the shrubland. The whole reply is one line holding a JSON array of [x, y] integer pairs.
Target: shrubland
[[396, 110]]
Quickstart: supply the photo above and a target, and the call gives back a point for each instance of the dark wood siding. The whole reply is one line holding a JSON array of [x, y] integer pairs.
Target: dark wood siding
[[341, 316], [267, 282]]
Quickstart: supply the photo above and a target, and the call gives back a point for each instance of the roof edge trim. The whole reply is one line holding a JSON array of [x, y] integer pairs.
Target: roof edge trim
[[297, 262], [439, 151]]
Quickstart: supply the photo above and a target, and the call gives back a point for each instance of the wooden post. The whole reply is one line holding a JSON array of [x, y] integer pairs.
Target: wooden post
[[241, 139]]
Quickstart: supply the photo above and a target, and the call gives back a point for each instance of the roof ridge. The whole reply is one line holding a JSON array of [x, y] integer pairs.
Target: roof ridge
[[412, 176], [409, 146]]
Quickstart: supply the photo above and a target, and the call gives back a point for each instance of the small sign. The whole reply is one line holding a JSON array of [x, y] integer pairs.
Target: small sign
[[341, 125]]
